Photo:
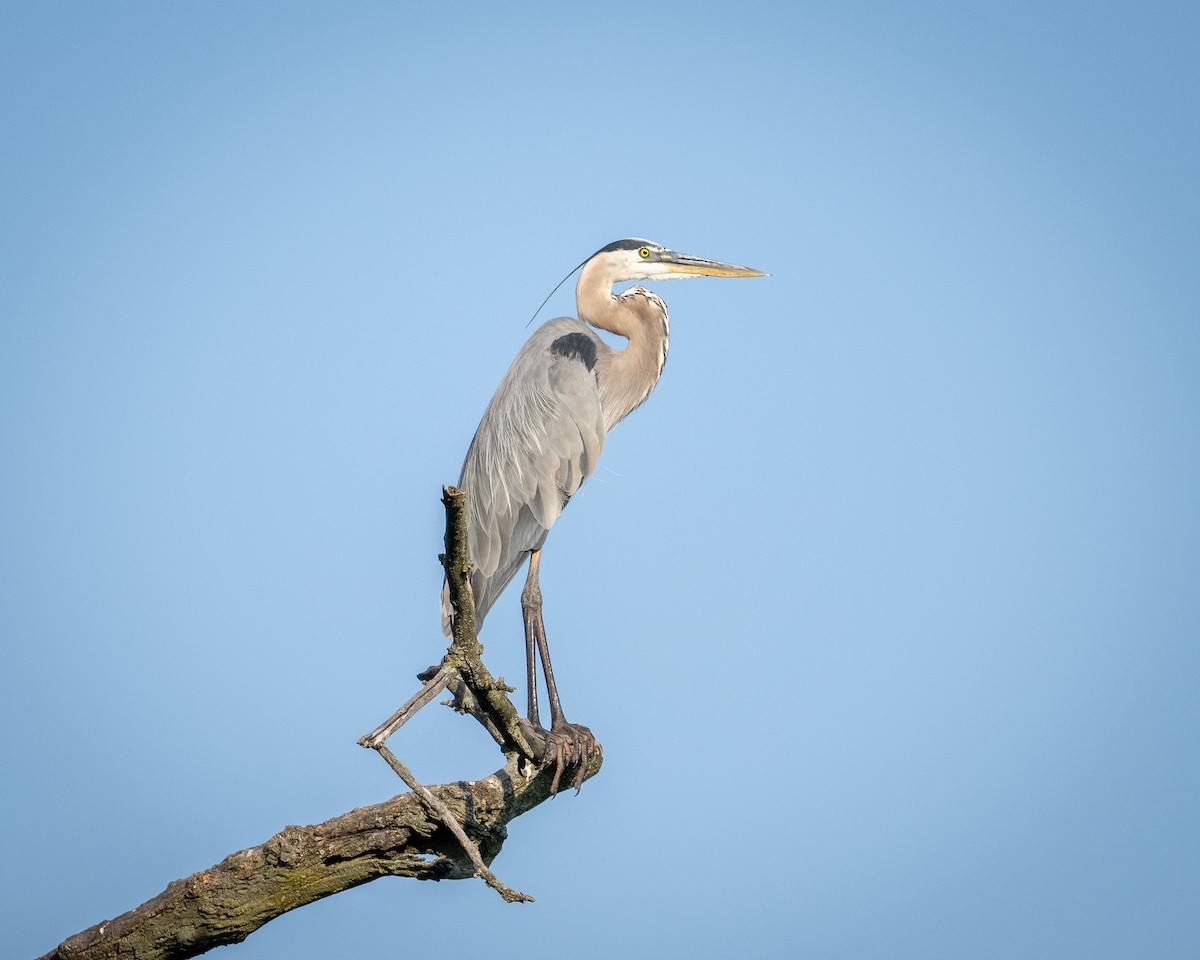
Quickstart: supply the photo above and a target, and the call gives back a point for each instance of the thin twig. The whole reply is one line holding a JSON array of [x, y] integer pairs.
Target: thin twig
[[376, 738], [443, 813]]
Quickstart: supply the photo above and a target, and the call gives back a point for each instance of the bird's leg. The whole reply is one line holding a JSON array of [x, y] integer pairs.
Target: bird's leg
[[531, 600], [572, 742]]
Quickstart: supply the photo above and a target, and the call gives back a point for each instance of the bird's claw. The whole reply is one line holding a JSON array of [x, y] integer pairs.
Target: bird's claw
[[571, 744]]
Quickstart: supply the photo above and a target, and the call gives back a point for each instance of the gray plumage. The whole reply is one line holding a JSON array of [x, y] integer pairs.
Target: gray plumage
[[539, 440]]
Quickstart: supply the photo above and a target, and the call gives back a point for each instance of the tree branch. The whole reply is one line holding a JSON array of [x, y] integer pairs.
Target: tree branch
[[445, 832]]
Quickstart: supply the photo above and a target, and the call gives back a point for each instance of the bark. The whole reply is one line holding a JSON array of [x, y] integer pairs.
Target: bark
[[445, 832]]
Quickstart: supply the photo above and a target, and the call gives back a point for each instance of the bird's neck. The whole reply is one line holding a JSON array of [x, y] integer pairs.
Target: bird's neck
[[627, 377]]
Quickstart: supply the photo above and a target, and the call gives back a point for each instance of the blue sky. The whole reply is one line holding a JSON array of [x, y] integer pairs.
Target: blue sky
[[884, 606]]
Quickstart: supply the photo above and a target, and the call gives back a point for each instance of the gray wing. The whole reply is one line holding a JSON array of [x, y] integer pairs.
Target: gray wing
[[538, 441]]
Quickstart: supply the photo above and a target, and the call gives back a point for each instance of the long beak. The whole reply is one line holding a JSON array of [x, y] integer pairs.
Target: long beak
[[688, 266]]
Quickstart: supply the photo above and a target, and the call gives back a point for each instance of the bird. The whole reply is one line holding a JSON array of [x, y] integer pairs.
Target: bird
[[542, 435]]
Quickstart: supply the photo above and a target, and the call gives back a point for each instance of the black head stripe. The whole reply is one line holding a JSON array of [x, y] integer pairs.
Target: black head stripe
[[631, 244]]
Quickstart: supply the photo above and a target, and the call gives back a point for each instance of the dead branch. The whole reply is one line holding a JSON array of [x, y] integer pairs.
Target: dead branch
[[444, 832]]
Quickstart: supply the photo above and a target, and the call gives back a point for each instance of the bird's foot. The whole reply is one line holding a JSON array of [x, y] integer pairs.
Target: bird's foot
[[571, 744]]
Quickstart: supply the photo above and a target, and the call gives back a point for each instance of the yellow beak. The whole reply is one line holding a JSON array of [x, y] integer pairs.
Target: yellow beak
[[688, 266]]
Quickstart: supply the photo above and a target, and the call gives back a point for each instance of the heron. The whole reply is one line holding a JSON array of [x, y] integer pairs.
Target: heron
[[541, 437]]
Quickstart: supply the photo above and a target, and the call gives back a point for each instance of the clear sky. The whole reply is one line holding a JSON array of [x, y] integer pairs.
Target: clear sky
[[886, 607]]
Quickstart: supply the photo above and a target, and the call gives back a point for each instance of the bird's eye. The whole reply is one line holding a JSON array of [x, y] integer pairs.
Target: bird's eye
[[644, 252]]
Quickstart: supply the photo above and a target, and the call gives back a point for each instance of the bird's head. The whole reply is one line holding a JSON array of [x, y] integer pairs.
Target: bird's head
[[636, 259]]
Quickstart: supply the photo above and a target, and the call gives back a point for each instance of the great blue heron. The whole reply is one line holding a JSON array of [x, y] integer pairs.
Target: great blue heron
[[543, 432]]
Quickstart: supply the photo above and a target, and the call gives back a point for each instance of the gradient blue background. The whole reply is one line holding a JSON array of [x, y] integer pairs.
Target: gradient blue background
[[885, 607]]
